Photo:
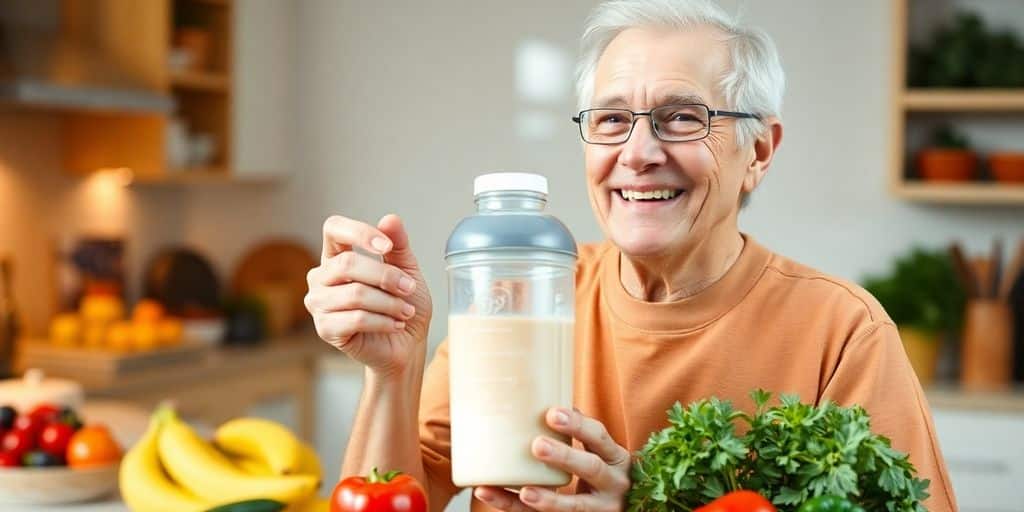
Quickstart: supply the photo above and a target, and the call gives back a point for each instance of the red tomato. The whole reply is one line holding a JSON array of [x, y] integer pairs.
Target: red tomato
[[391, 492], [54, 439], [739, 501], [18, 442], [31, 425], [45, 412], [9, 459]]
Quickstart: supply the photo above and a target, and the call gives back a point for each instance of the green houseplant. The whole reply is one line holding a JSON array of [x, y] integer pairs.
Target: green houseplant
[[926, 301]]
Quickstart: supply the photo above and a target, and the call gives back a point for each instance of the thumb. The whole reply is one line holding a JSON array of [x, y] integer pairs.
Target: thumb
[[400, 254]]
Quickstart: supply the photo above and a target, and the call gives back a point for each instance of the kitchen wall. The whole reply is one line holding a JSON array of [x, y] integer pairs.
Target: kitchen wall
[[399, 104], [39, 204]]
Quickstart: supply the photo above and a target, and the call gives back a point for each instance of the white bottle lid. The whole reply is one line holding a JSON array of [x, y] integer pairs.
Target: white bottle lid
[[502, 181]]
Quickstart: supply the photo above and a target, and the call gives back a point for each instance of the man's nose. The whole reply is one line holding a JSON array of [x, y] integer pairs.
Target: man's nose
[[643, 150]]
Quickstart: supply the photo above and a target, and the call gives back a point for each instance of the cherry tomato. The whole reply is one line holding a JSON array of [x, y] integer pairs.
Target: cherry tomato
[[31, 425], [55, 437], [45, 412], [9, 459], [92, 446], [18, 442]]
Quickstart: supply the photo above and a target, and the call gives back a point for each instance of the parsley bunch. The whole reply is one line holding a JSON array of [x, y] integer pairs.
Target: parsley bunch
[[791, 453]]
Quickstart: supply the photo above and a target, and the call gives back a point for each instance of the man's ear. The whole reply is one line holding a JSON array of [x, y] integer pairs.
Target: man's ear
[[764, 149]]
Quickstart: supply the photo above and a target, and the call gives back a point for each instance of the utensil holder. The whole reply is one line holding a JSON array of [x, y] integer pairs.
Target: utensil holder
[[987, 349]]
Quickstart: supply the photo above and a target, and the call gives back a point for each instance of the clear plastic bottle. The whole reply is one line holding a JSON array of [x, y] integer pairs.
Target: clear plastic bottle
[[511, 276]]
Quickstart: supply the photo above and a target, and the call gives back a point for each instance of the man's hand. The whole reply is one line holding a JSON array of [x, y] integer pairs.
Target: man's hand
[[603, 470]]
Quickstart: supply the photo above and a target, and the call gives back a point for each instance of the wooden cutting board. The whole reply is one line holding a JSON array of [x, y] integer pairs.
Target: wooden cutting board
[[278, 265]]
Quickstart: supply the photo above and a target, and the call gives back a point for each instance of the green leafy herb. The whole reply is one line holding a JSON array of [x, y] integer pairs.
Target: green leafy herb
[[921, 291], [791, 453]]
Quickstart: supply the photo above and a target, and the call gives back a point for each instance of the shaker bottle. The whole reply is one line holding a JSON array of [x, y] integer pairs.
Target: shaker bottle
[[511, 281]]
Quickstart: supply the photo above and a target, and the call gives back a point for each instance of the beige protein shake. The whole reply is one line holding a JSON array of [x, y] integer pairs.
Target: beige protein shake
[[506, 371]]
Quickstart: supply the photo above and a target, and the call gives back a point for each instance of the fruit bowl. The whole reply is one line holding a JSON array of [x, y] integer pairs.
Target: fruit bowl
[[54, 485]]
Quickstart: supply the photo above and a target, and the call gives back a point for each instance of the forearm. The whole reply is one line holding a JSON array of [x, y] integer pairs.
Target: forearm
[[385, 431]]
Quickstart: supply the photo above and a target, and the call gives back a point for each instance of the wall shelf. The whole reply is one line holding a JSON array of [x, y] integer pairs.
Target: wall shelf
[[202, 81], [909, 101]]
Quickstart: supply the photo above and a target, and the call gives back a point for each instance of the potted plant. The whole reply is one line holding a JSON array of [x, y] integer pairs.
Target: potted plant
[[926, 301], [948, 158], [1007, 166]]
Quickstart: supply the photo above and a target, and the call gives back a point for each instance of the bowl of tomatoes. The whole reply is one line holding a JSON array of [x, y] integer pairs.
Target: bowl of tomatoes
[[48, 456]]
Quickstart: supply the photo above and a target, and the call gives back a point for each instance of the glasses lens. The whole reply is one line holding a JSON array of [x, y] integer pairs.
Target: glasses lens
[[606, 125], [681, 122]]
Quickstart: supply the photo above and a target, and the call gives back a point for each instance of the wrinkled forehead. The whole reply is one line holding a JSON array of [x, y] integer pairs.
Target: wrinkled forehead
[[645, 67]]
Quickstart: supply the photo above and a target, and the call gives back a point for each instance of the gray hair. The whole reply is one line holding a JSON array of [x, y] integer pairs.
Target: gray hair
[[755, 82]]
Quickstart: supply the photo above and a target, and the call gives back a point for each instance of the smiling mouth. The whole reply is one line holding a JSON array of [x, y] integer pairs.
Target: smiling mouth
[[649, 195]]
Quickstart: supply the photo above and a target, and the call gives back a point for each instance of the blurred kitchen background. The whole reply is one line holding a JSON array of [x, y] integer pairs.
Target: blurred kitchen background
[[188, 151]]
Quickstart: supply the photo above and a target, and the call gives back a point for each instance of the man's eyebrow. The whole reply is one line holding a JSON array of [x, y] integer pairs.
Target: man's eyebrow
[[682, 99], [619, 101]]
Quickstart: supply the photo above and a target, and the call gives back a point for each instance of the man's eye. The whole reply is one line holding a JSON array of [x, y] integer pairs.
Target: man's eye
[[682, 116], [611, 119]]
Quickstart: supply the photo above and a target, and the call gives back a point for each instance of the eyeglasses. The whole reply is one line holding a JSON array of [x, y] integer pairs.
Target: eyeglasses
[[671, 123]]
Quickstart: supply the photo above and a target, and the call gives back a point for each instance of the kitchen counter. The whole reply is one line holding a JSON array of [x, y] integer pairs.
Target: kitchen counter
[[1010, 401]]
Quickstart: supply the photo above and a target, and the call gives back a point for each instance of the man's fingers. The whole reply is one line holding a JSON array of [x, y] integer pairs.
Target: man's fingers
[[339, 327], [342, 233], [500, 499], [351, 266], [590, 432], [401, 253], [588, 466], [356, 296], [545, 500]]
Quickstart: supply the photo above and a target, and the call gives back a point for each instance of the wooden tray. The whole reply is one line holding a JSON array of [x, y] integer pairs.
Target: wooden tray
[[97, 366]]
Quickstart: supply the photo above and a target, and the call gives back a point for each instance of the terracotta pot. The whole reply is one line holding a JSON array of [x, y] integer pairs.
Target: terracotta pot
[[937, 164], [196, 42], [1007, 167], [922, 349], [987, 350]]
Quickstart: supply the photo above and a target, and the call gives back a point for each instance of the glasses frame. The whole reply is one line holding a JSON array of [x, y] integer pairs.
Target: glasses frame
[[712, 113]]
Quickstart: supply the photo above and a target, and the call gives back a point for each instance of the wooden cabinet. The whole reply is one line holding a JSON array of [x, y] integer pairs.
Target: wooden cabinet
[[238, 99], [910, 103]]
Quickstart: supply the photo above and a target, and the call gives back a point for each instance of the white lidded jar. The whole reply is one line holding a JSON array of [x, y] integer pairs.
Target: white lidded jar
[[511, 282]]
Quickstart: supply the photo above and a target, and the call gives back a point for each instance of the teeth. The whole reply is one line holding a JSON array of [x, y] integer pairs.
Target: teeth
[[634, 195]]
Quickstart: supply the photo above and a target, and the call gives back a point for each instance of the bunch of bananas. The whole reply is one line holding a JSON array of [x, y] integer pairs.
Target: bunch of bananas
[[253, 465]]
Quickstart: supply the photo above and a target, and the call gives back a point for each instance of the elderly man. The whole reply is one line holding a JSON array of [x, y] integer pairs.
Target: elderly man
[[675, 305]]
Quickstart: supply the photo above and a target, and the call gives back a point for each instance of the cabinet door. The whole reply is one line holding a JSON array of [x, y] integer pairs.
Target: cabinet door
[[985, 456], [263, 60]]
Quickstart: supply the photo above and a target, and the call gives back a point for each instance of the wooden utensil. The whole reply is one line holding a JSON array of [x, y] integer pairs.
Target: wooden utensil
[[964, 271], [1013, 270], [982, 276], [997, 268]]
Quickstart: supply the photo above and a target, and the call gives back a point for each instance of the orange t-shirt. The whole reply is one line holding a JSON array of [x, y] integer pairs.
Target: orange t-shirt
[[769, 323]]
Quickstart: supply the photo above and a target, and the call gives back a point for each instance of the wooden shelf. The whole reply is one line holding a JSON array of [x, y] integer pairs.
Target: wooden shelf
[[201, 81], [961, 193], [963, 100], [204, 176]]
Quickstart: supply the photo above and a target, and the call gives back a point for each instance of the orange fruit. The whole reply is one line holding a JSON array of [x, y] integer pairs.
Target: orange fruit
[[148, 311], [101, 309], [169, 331], [65, 329], [92, 446], [145, 336], [119, 337]]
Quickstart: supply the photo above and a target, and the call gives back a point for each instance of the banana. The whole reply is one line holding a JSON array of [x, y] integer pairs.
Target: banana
[[200, 468], [144, 486], [309, 462], [260, 439], [254, 467], [314, 504]]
